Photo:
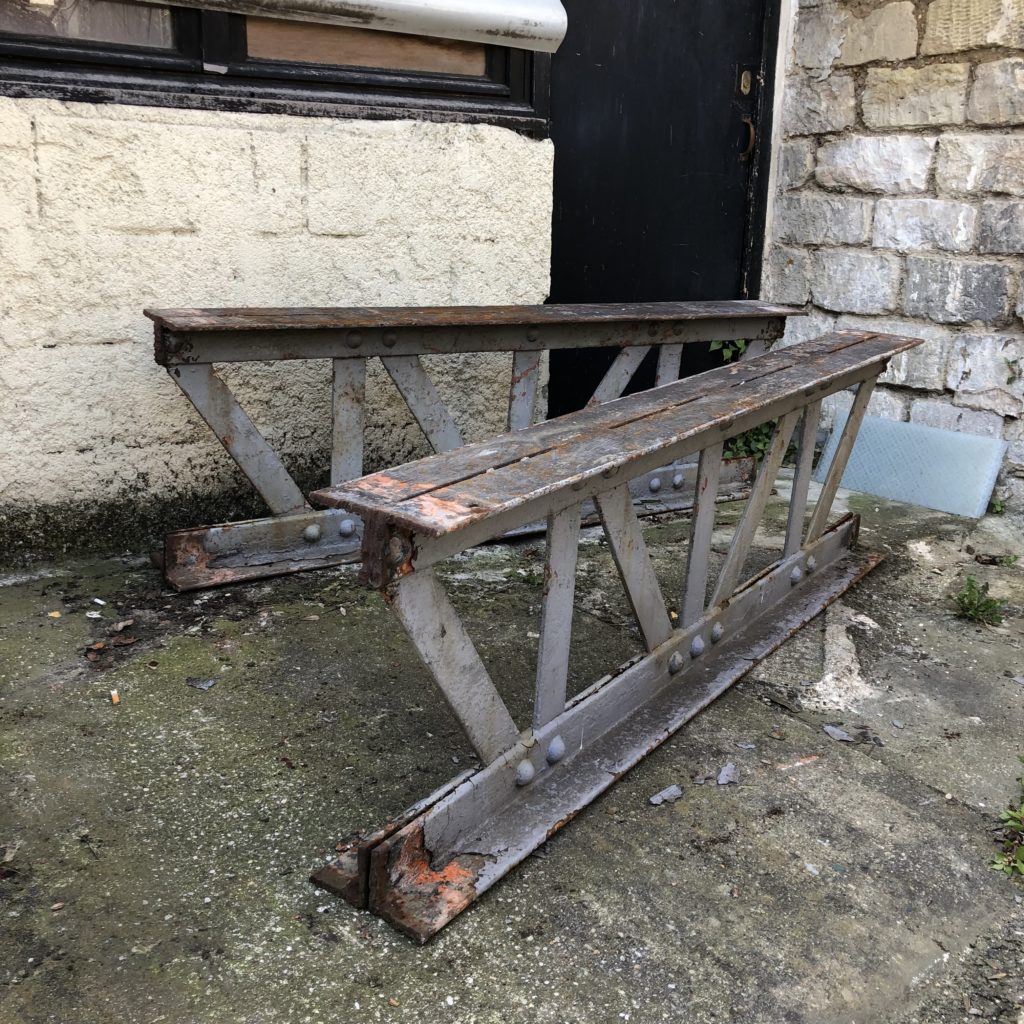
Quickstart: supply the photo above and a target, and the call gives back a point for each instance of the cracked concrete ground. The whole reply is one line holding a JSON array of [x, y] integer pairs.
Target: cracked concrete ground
[[154, 854]]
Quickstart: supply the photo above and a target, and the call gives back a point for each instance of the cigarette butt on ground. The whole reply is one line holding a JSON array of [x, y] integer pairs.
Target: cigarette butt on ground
[[115, 697]]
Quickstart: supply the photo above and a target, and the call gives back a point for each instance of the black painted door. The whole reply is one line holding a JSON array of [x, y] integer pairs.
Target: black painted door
[[660, 115]]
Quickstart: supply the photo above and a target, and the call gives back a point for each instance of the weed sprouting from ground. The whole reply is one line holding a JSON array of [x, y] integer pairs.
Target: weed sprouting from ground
[[1010, 859], [974, 604]]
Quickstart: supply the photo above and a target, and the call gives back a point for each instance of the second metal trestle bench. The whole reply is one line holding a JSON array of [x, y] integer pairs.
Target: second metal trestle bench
[[427, 865], [192, 343]]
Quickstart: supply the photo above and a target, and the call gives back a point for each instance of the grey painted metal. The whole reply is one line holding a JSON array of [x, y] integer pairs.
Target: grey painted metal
[[260, 344], [747, 526], [424, 402], [556, 615], [619, 374], [669, 357], [523, 391], [702, 526], [829, 486], [348, 404], [214, 401], [522, 24], [626, 541], [442, 642], [802, 479]]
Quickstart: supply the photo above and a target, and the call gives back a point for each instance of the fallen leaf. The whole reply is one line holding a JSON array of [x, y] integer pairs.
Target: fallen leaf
[[838, 734], [57, 906], [53, 615]]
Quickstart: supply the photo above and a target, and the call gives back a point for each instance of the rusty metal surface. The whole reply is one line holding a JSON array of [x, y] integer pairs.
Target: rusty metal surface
[[193, 321], [444, 494]]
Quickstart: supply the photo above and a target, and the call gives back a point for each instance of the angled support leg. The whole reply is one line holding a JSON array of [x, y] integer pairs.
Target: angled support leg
[[702, 527], [626, 540], [523, 391], [444, 645], [217, 405], [424, 402], [619, 374], [747, 526], [819, 517], [556, 615], [801, 480]]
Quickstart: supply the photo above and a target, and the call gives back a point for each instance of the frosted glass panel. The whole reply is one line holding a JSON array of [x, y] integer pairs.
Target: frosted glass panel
[[104, 21]]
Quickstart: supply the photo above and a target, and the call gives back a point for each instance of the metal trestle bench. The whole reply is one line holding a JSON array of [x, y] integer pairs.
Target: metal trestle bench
[[193, 343], [428, 864]]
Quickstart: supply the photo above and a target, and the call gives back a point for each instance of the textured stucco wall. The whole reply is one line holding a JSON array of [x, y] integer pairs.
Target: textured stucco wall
[[900, 200], [108, 209]]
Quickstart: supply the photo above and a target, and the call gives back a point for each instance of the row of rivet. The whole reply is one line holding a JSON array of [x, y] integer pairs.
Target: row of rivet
[[312, 533]]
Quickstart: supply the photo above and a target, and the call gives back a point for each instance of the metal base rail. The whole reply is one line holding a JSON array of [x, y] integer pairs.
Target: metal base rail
[[425, 867], [189, 342]]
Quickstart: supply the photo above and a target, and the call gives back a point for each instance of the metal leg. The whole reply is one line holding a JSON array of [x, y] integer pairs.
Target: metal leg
[[242, 440], [523, 391], [556, 617], [424, 402], [626, 540], [444, 645], [701, 528], [747, 526], [668, 364], [819, 517], [349, 394], [619, 374], [802, 479]]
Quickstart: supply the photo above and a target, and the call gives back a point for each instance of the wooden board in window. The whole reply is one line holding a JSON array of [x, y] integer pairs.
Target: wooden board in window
[[275, 39]]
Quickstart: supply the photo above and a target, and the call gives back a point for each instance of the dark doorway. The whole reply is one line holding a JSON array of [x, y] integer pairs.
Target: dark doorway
[[661, 112]]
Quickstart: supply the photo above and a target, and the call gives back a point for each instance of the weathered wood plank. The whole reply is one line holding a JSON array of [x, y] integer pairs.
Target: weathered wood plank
[[480, 457], [241, 318], [435, 497]]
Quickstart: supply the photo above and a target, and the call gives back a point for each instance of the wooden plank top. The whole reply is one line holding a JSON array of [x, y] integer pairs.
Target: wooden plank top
[[443, 493], [365, 317]]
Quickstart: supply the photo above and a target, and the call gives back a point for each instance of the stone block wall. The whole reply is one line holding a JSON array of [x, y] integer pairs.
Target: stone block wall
[[105, 210], [900, 201]]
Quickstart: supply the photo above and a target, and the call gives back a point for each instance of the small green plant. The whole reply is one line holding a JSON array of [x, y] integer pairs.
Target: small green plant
[[996, 507], [974, 604], [1009, 561], [1010, 859], [730, 349]]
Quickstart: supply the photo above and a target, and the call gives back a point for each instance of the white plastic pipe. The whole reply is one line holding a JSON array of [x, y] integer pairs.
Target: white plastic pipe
[[524, 24]]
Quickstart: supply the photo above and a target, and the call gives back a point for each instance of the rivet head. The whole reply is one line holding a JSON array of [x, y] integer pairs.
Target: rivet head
[[311, 533], [677, 481], [675, 663], [531, 334], [354, 339], [172, 344], [556, 750], [677, 329], [796, 575], [812, 564], [655, 484], [389, 339], [696, 647], [346, 527], [524, 773], [716, 632], [652, 329]]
